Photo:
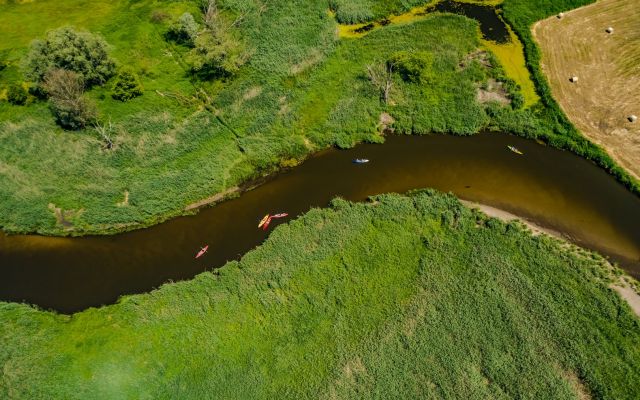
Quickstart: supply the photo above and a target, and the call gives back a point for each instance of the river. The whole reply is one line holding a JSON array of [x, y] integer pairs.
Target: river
[[552, 188]]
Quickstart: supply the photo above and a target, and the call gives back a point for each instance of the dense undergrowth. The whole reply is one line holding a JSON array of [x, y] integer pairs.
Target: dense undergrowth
[[404, 297], [301, 90]]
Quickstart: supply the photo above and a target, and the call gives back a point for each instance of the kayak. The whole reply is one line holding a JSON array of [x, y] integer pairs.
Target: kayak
[[515, 150], [266, 224], [360, 161], [282, 215], [202, 251], [264, 220]]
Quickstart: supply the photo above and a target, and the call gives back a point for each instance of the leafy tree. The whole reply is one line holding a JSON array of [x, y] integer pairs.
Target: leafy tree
[[64, 48], [216, 55], [381, 76], [17, 95], [184, 31], [127, 86], [66, 97], [216, 52], [414, 67]]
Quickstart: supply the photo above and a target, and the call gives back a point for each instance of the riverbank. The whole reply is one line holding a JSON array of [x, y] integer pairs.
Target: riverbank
[[624, 285], [318, 311]]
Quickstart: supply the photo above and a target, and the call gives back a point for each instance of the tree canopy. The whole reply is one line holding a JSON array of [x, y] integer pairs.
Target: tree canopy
[[65, 48]]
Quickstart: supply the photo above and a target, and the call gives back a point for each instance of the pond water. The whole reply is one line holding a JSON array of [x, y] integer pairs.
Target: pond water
[[555, 189], [492, 26]]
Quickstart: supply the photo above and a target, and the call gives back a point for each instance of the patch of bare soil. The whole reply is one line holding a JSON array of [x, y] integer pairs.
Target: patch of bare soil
[[493, 91], [607, 65]]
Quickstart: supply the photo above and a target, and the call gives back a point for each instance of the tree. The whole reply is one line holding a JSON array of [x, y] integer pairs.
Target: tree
[[64, 48], [127, 86], [66, 97], [17, 95], [216, 55], [381, 76], [184, 31], [216, 52]]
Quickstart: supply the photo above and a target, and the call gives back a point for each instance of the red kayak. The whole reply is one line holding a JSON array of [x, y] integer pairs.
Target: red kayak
[[202, 251], [266, 224]]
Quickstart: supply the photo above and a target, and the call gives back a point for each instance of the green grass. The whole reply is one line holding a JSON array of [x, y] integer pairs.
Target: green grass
[[405, 297], [168, 154], [302, 90]]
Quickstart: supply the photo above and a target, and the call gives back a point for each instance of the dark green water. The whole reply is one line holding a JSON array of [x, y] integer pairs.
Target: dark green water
[[552, 188], [491, 26]]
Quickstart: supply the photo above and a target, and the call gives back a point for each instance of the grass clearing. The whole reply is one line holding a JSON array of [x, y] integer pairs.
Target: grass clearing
[[608, 67], [407, 296]]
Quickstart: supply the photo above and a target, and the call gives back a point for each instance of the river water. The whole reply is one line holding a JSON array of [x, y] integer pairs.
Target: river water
[[555, 189]]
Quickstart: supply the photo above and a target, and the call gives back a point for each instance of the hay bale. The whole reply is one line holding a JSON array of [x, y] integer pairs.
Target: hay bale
[[609, 30], [632, 118], [560, 15], [573, 79]]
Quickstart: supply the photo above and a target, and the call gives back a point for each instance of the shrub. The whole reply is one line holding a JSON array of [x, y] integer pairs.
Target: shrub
[[216, 55], [127, 86], [64, 48], [66, 96], [185, 30], [413, 67], [17, 95]]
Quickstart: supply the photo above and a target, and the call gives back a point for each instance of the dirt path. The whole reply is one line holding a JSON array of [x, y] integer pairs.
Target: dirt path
[[608, 69]]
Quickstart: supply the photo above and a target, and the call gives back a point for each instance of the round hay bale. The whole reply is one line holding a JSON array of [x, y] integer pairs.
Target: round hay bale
[[609, 30], [573, 79], [560, 15], [632, 118]]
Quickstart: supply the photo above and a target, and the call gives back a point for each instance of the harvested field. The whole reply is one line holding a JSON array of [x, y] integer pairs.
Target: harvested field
[[608, 68]]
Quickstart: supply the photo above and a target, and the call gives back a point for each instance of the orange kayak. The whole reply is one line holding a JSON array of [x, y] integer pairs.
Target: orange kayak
[[264, 220]]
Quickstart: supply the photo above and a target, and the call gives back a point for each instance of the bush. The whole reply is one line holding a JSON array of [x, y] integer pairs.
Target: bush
[[413, 67], [127, 86], [216, 55], [17, 95], [66, 96], [185, 30], [64, 48]]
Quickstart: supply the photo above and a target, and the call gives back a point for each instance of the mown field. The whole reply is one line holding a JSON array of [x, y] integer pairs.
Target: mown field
[[403, 297], [608, 68], [186, 138]]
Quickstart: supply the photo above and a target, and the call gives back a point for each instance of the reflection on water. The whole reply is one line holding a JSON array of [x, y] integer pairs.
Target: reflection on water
[[553, 188]]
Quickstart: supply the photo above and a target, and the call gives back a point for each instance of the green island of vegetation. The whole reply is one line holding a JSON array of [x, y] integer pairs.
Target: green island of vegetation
[[176, 101], [403, 297]]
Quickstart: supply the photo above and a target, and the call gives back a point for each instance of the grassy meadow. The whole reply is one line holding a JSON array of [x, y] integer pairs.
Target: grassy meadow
[[302, 90], [402, 297]]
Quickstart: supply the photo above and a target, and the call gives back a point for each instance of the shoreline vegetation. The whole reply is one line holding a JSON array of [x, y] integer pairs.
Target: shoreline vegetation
[[317, 311], [154, 155]]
